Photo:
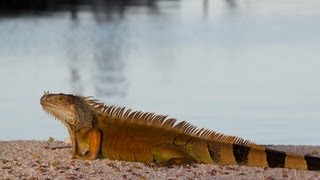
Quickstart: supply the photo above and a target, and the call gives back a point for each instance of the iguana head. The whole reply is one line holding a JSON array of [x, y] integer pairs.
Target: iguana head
[[71, 110]]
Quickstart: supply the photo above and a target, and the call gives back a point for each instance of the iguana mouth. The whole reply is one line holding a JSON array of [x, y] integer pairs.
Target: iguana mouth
[[45, 103]]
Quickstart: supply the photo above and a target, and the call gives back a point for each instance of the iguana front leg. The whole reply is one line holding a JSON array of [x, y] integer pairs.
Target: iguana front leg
[[94, 139]]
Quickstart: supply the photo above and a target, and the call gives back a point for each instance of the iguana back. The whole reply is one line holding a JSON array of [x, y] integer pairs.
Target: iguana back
[[117, 133]]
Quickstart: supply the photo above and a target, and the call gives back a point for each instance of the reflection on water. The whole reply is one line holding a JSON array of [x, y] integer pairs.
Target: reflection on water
[[106, 67], [246, 68], [109, 57]]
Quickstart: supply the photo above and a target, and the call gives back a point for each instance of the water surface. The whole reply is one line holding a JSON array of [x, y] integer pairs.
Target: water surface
[[246, 68]]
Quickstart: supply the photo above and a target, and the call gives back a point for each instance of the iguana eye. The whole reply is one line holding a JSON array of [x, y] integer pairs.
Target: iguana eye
[[71, 120]]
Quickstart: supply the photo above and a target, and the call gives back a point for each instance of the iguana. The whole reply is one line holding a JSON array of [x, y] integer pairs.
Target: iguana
[[98, 130]]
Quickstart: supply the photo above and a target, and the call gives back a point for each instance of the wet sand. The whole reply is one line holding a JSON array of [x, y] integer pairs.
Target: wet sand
[[52, 160]]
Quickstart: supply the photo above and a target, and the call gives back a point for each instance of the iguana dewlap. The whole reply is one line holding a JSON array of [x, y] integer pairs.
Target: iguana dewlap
[[97, 130]]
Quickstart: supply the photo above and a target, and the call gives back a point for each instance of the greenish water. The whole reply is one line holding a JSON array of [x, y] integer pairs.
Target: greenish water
[[245, 68]]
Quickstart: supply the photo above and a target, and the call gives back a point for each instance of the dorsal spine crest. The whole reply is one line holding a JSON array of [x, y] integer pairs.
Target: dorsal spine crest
[[150, 119]]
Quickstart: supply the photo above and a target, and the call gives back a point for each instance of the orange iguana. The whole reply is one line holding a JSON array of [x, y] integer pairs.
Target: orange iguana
[[97, 130]]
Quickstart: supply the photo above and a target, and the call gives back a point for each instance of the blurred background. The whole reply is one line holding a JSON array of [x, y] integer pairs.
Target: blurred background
[[241, 67]]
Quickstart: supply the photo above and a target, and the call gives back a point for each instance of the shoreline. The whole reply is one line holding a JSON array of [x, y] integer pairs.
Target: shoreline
[[31, 159]]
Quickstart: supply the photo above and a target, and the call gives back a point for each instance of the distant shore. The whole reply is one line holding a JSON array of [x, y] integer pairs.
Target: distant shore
[[44, 159]]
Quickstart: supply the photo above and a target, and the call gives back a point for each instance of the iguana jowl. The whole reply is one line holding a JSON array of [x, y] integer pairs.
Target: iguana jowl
[[97, 130]]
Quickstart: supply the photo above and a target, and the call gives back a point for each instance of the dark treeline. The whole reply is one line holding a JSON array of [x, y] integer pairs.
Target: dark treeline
[[25, 5], [53, 5]]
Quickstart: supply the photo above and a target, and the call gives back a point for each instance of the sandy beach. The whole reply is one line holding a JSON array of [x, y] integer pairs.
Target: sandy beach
[[52, 160]]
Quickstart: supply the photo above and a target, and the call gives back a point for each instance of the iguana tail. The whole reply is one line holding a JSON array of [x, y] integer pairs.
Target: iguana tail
[[260, 156], [288, 160]]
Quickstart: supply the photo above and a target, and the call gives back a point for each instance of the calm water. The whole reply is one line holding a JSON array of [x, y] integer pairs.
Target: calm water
[[247, 68]]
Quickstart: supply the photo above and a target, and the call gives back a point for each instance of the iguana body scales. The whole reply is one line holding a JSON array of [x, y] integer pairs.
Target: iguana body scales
[[97, 130]]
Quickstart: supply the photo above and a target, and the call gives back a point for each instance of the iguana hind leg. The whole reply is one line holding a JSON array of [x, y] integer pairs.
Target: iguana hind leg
[[171, 154]]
